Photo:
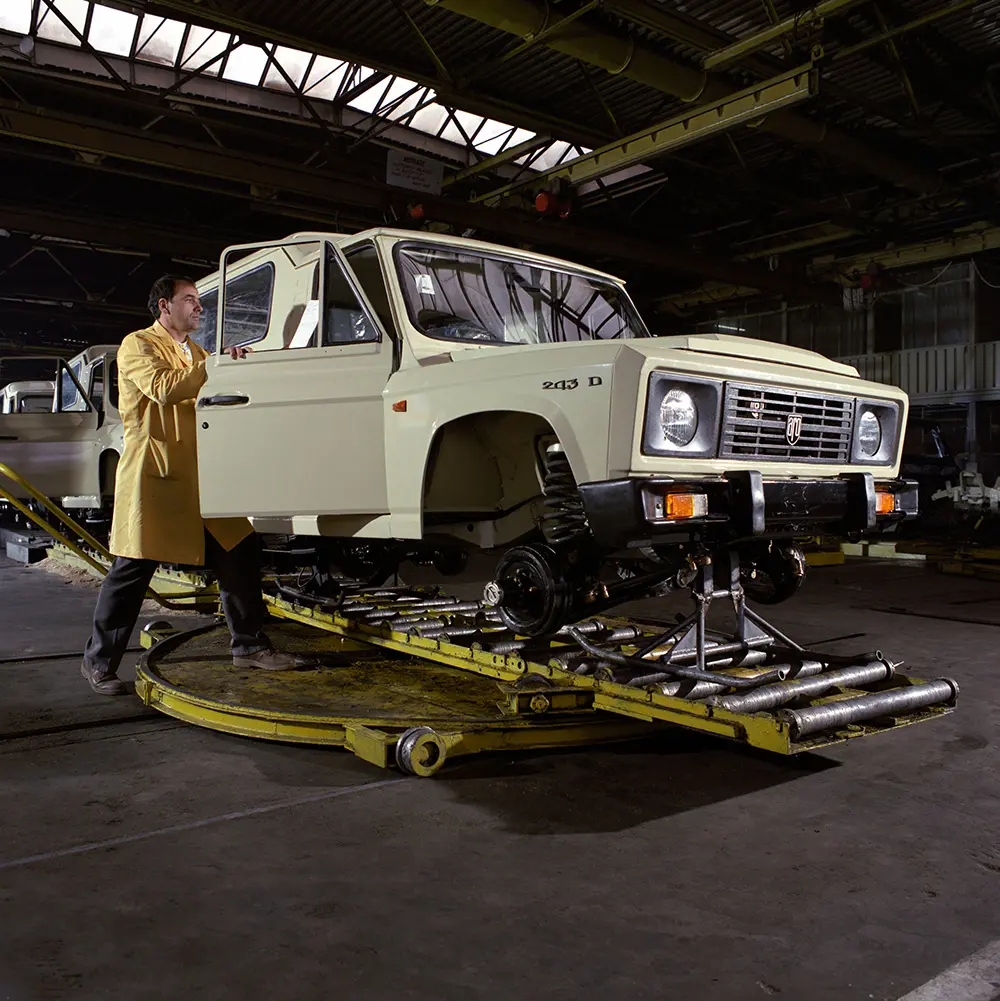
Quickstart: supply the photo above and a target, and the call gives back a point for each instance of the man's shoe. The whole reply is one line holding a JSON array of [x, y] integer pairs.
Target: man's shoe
[[104, 684], [268, 660]]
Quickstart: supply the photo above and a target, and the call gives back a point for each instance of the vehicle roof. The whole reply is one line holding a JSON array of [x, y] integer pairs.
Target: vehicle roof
[[440, 239], [94, 352]]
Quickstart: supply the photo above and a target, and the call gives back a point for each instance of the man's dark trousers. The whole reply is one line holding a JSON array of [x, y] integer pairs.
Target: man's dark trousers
[[124, 589]]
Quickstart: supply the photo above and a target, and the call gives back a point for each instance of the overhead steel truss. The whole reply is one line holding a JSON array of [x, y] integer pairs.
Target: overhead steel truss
[[187, 63]]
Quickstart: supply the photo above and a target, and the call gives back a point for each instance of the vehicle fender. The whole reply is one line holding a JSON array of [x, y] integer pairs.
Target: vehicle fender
[[408, 451]]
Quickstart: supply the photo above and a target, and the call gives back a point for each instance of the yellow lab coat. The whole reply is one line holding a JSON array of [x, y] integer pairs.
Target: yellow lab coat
[[157, 512]]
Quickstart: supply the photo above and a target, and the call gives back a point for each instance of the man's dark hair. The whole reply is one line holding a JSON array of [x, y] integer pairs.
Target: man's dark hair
[[164, 288]]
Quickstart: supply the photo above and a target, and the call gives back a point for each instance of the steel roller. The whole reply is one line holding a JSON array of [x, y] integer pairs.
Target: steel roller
[[769, 696], [831, 715]]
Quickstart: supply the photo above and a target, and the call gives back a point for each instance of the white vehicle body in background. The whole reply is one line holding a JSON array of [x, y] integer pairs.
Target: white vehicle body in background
[[70, 452]]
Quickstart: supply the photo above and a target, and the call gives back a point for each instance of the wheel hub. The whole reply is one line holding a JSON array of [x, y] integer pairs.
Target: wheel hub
[[531, 591]]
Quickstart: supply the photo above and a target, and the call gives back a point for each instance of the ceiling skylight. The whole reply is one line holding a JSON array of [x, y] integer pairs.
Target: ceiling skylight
[[185, 47]]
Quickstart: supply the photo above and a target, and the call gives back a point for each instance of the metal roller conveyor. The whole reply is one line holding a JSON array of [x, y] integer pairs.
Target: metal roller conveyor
[[770, 696], [832, 715], [740, 684]]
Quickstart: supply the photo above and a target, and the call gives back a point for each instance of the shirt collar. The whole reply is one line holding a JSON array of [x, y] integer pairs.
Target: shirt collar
[[184, 346]]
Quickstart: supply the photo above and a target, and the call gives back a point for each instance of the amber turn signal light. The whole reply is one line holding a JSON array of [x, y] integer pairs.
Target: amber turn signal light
[[686, 506], [885, 503], [678, 506]]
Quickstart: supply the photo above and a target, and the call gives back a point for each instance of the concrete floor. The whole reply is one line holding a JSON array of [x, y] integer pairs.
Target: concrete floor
[[145, 859]]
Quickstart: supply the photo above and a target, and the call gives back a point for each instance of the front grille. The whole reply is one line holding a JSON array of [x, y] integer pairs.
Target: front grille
[[763, 422]]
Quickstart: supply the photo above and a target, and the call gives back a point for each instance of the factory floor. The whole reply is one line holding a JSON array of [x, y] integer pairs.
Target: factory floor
[[142, 858]]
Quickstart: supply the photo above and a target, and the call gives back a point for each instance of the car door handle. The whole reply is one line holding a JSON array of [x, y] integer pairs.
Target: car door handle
[[223, 401]]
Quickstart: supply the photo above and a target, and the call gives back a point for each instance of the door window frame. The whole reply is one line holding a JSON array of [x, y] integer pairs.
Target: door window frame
[[326, 246], [62, 364], [98, 365], [359, 293]]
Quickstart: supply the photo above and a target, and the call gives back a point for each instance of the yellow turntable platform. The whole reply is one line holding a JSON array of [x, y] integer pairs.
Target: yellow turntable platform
[[385, 707]]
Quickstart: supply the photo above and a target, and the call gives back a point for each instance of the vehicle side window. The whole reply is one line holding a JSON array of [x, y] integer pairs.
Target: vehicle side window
[[96, 389], [346, 320], [204, 336], [365, 265], [247, 307], [70, 400]]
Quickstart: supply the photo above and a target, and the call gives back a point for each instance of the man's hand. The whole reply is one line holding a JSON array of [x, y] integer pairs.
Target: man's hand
[[235, 353]]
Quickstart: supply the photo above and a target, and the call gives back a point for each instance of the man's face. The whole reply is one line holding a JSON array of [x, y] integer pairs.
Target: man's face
[[183, 309]]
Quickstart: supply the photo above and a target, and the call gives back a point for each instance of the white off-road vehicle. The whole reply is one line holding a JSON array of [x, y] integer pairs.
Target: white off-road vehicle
[[68, 445], [412, 395]]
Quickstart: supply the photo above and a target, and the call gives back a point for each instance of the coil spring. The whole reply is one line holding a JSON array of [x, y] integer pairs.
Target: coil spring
[[564, 518]]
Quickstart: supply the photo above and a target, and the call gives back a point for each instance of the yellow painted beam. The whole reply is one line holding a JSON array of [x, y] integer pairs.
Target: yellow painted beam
[[744, 107]]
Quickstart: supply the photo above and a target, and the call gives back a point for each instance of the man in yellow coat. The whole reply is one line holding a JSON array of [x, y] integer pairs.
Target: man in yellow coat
[[157, 516]]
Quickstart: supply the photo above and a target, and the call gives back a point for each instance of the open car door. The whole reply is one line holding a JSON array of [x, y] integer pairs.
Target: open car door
[[293, 435]]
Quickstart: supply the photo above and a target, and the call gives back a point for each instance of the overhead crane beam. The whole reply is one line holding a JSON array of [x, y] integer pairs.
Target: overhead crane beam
[[745, 106], [511, 153], [642, 63], [912, 255], [705, 38]]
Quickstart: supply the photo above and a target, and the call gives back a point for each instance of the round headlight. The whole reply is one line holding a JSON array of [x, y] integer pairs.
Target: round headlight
[[678, 417], [869, 434]]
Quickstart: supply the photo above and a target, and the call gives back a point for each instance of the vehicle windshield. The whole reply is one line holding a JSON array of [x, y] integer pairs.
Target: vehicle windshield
[[469, 296]]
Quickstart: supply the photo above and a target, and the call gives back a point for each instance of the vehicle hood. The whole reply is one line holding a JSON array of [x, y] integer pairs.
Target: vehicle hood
[[670, 350], [730, 346]]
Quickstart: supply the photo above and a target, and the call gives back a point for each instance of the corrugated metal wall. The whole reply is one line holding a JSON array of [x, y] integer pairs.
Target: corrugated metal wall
[[952, 373]]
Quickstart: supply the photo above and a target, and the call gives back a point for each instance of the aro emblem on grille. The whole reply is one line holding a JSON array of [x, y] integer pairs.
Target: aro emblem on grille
[[793, 428]]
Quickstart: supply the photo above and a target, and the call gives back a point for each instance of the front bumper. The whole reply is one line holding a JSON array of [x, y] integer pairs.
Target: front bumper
[[743, 505]]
